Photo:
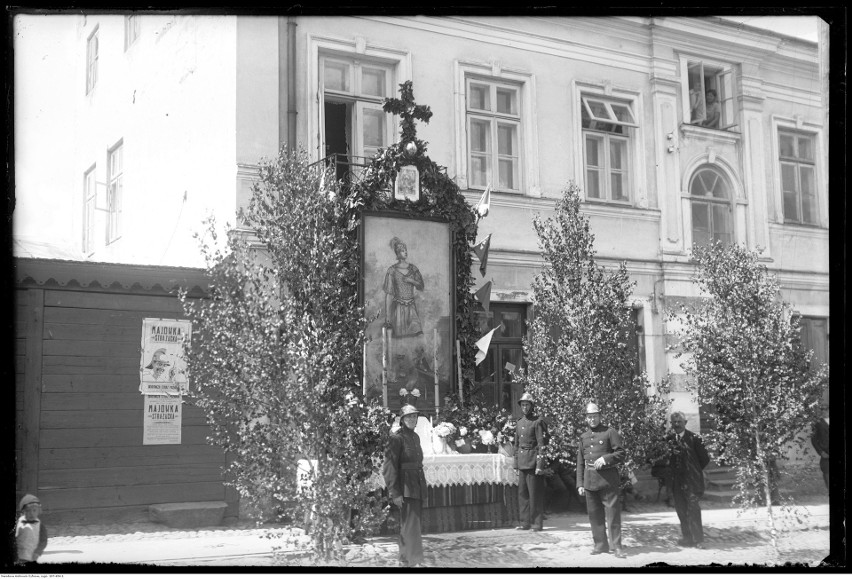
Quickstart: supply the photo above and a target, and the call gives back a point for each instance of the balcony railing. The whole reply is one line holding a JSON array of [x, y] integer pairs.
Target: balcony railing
[[347, 169]]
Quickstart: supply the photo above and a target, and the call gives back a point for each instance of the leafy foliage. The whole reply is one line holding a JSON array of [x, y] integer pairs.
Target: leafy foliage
[[578, 351], [276, 358], [745, 353], [477, 418]]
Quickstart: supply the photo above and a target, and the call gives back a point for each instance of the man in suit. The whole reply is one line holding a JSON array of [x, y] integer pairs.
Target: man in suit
[[598, 455], [406, 484], [530, 439], [688, 458], [820, 441]]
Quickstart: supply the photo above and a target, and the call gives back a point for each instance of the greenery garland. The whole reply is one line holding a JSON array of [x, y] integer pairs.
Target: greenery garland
[[440, 198]]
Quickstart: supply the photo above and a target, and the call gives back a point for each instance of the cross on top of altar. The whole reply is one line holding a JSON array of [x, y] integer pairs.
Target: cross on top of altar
[[408, 111]]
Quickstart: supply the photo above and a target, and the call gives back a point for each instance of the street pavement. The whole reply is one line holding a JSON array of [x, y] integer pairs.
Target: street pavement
[[649, 535]]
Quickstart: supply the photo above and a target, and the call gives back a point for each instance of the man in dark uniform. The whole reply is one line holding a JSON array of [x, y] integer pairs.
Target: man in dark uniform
[[687, 459], [406, 484], [530, 438], [820, 441], [598, 456]]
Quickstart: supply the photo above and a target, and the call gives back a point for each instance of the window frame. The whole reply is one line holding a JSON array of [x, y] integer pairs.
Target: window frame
[[726, 91], [797, 162], [320, 46], [92, 60], [131, 30], [606, 138], [495, 120], [115, 191], [584, 92], [90, 205], [710, 202]]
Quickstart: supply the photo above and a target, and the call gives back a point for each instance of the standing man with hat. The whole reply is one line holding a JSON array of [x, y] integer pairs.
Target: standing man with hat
[[530, 440], [406, 484], [688, 458], [598, 456]]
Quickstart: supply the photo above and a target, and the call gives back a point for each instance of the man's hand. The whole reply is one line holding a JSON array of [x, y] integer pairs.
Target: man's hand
[[539, 471], [823, 454], [398, 501], [581, 491], [600, 463]]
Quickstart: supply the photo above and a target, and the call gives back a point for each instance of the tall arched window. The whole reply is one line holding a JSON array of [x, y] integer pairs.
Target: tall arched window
[[711, 207]]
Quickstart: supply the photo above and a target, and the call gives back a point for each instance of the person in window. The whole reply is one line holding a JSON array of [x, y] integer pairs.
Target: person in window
[[714, 110], [401, 279], [696, 106]]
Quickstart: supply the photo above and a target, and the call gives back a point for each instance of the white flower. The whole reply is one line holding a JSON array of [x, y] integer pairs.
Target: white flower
[[486, 436], [403, 391], [444, 429], [415, 393], [462, 431]]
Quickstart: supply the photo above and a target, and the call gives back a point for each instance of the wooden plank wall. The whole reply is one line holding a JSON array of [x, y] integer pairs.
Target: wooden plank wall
[[91, 464]]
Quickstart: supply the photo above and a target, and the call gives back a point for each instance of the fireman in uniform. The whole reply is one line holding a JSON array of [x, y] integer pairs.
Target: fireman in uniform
[[598, 455], [530, 439], [406, 484]]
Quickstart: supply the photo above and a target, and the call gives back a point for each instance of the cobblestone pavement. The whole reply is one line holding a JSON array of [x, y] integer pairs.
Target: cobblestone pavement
[[650, 534]]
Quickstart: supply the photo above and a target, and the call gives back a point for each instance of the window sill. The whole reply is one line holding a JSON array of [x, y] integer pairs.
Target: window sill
[[722, 135]]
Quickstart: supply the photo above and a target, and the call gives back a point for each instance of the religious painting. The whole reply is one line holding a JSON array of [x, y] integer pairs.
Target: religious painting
[[407, 184], [407, 292]]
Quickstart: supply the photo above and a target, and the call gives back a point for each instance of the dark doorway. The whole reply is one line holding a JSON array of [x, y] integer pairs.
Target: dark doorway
[[337, 136], [493, 374]]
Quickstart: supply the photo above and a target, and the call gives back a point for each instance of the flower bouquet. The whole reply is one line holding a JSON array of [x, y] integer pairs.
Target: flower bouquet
[[444, 431]]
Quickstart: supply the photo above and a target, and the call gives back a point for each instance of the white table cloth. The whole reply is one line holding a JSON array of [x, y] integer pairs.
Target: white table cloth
[[464, 469]]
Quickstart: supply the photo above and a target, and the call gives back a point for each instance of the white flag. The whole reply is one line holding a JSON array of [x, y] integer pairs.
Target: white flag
[[484, 203], [482, 345]]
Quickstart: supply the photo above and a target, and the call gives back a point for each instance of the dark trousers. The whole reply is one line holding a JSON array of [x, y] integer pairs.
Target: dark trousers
[[410, 540], [689, 513], [604, 507], [531, 498], [823, 466]]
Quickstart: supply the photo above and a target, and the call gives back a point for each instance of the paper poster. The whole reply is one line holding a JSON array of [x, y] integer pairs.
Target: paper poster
[[162, 369], [162, 420]]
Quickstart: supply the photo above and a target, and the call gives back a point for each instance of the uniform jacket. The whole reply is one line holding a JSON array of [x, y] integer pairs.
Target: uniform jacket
[[403, 466], [530, 437], [820, 436], [600, 441], [687, 459]]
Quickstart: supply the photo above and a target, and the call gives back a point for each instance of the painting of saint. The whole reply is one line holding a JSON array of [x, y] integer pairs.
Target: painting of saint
[[401, 280]]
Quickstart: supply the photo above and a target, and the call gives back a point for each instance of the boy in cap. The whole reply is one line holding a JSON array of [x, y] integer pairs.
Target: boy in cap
[[30, 532], [598, 455], [406, 484]]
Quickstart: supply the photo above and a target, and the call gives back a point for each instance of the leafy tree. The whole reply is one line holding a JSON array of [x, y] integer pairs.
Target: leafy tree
[[578, 350], [276, 357], [744, 350]]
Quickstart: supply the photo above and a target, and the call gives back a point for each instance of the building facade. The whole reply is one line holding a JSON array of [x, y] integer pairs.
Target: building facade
[[677, 131]]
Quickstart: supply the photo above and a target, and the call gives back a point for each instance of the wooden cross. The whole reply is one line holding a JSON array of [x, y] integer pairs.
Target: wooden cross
[[407, 110]]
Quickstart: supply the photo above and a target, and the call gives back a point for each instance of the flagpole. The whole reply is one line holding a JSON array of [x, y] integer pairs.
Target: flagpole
[[384, 367], [458, 362], [435, 368]]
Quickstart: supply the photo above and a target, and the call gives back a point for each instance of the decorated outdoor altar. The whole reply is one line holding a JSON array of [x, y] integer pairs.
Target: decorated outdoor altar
[[418, 235]]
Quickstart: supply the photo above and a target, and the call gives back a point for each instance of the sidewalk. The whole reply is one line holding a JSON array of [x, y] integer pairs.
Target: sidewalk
[[650, 534]]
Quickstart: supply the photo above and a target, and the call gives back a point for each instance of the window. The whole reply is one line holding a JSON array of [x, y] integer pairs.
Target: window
[[607, 128], [709, 95], [814, 333], [493, 376], [115, 187], [711, 207], [355, 125], [131, 30], [89, 197], [92, 61], [493, 135], [798, 177]]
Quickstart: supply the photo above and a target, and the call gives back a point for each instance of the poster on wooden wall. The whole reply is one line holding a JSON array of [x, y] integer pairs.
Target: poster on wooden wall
[[162, 369], [162, 420]]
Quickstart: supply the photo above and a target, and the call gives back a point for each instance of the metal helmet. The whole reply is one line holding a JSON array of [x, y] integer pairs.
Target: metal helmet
[[592, 408], [408, 409], [527, 397]]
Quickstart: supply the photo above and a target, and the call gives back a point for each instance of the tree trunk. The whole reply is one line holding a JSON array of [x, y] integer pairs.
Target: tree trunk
[[767, 489]]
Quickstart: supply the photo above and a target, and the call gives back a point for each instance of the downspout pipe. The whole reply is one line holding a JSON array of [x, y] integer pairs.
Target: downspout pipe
[[292, 111]]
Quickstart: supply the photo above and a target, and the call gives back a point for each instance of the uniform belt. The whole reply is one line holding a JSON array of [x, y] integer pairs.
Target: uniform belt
[[527, 447], [411, 466]]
